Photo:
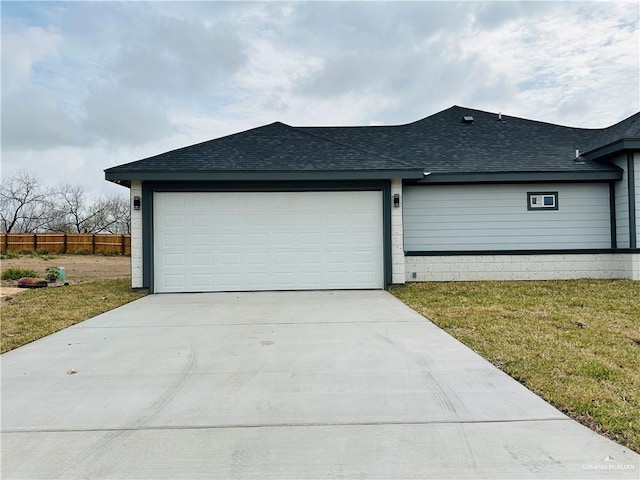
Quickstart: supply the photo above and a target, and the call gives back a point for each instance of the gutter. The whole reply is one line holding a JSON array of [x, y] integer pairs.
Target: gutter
[[125, 177]]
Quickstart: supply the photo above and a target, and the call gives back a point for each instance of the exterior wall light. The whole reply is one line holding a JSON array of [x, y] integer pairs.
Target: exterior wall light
[[396, 200], [136, 202]]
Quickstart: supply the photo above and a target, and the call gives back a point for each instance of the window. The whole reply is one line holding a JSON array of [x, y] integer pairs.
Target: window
[[542, 200]]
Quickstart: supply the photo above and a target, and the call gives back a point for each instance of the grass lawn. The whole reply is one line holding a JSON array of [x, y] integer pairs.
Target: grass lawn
[[575, 343], [37, 313]]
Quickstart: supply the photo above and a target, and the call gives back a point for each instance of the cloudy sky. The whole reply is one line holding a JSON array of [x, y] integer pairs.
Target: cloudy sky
[[90, 85]]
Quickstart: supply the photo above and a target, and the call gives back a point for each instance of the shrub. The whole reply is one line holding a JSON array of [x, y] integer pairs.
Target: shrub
[[43, 253], [52, 274], [9, 255], [107, 253], [16, 273]]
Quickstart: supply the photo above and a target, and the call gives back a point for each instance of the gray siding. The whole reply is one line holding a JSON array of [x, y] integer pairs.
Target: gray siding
[[495, 217], [622, 205]]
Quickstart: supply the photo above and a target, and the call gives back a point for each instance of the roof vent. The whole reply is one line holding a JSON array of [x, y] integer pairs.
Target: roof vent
[[467, 119], [579, 158], [500, 119]]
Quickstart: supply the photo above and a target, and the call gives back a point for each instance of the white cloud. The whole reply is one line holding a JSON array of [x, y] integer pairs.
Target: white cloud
[[119, 116], [24, 50], [74, 165], [35, 119], [177, 56], [569, 67]]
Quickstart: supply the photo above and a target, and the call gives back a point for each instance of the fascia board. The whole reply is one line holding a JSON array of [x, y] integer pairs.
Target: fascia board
[[521, 177], [619, 146], [187, 176]]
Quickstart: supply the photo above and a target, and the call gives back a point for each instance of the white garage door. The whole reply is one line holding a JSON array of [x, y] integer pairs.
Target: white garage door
[[244, 241]]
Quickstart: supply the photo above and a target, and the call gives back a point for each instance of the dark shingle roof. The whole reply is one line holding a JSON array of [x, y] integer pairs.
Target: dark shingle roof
[[274, 147], [441, 143], [628, 129]]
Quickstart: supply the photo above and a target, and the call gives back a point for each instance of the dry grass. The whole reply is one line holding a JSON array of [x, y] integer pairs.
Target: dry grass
[[37, 313], [575, 343]]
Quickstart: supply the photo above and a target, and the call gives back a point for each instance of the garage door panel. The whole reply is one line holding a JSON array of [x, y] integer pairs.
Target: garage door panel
[[310, 259], [363, 257], [231, 279], [174, 260], [336, 238], [170, 220], [230, 220], [256, 279], [202, 259], [283, 260], [234, 241], [284, 278], [338, 220], [310, 220], [229, 240], [174, 240], [362, 238], [201, 220], [337, 257], [284, 239], [202, 281], [201, 240], [256, 259], [256, 220], [283, 220], [257, 239], [225, 259], [308, 279], [174, 280], [309, 237]]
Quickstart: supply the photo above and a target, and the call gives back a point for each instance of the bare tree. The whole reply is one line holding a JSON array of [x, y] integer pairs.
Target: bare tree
[[74, 212], [114, 215], [25, 205]]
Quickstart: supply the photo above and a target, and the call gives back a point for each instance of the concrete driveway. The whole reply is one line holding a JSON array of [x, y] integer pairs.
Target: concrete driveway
[[279, 385]]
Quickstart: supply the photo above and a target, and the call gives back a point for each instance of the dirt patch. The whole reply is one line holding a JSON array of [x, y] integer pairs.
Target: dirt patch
[[7, 293], [77, 267]]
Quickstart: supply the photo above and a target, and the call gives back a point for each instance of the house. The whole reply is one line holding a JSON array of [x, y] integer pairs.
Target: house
[[462, 194]]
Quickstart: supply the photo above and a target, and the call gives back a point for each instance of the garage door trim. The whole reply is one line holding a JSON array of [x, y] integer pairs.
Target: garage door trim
[[147, 210]]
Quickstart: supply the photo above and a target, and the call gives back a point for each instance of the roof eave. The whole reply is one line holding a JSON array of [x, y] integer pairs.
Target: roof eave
[[126, 177], [614, 148], [523, 177]]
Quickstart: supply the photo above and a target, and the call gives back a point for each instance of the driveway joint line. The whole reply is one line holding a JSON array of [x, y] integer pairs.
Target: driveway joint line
[[286, 425]]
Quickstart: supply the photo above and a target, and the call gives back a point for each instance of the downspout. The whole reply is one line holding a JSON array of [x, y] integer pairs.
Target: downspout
[[612, 213], [631, 194]]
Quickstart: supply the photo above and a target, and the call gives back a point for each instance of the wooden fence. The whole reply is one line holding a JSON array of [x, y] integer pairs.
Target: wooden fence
[[66, 243]]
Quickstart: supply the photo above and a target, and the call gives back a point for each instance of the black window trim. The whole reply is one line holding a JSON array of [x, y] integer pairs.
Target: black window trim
[[542, 207]]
